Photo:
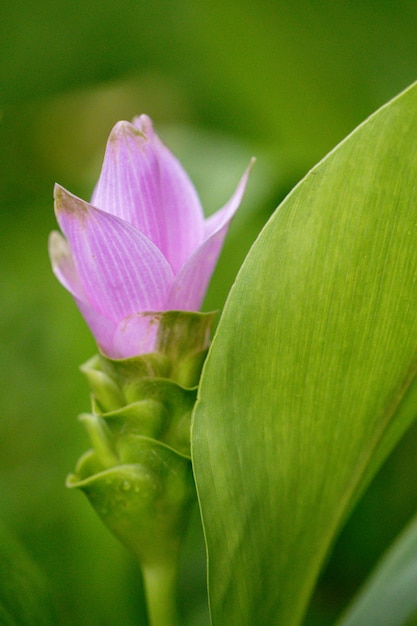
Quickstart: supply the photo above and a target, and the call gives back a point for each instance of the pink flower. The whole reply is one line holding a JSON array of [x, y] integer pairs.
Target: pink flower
[[141, 246]]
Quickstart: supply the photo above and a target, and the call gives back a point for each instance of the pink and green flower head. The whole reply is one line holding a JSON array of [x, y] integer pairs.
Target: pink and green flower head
[[142, 245]]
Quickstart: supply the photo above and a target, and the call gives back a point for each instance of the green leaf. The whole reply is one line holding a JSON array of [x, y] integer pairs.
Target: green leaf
[[389, 597], [24, 596], [310, 381]]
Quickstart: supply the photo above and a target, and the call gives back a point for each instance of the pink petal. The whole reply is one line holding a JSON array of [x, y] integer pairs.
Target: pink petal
[[63, 265], [190, 285], [102, 328], [120, 270], [134, 335], [216, 221], [144, 184], [64, 269]]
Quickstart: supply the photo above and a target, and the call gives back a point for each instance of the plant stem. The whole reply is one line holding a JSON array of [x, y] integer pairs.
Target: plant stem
[[160, 590]]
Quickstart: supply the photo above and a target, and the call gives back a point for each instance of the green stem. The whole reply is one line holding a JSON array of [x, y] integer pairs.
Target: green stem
[[160, 590]]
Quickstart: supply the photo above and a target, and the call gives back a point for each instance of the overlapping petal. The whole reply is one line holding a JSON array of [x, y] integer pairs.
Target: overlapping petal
[[64, 269], [144, 184], [101, 327], [134, 335], [63, 265], [142, 246], [120, 270], [190, 285]]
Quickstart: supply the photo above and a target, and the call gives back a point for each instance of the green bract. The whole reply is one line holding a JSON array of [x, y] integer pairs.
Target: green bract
[[138, 474]]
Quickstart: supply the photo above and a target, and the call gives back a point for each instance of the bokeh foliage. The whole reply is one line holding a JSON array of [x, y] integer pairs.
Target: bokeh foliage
[[223, 80]]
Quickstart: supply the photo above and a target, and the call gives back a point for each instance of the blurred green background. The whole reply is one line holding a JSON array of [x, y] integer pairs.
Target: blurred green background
[[223, 80]]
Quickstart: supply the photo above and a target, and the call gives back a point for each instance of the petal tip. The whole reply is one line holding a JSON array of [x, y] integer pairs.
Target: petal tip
[[66, 202], [58, 191], [248, 170], [60, 196], [125, 129], [144, 124]]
